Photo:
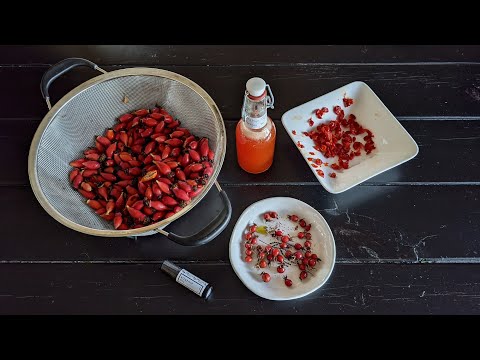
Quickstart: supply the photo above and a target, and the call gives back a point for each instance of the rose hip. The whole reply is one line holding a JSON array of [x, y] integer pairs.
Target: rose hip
[[86, 186], [117, 220], [141, 158], [102, 191], [93, 165], [294, 218], [169, 201], [204, 147], [77, 181], [273, 215], [180, 194], [195, 156]]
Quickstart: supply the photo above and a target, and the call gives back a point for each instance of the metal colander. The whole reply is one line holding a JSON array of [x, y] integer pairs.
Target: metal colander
[[86, 111]]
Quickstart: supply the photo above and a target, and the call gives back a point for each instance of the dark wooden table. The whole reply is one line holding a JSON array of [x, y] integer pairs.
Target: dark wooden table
[[407, 240]]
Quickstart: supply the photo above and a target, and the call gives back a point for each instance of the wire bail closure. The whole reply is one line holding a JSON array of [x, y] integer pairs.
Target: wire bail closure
[[270, 98]]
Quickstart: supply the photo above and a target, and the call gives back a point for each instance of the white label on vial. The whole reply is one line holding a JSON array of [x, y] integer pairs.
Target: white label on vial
[[191, 282], [256, 123]]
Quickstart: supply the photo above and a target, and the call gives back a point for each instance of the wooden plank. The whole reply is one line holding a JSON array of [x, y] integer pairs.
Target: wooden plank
[[407, 90], [144, 289], [236, 54], [448, 153], [370, 224]]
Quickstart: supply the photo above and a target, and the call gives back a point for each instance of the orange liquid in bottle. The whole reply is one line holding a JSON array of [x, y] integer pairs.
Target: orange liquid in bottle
[[255, 148]]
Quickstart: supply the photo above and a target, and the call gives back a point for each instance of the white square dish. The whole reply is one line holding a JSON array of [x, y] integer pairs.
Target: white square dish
[[394, 145]]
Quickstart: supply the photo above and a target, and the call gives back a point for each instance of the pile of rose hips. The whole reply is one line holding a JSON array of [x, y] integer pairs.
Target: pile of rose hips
[[339, 137], [144, 169], [283, 252]]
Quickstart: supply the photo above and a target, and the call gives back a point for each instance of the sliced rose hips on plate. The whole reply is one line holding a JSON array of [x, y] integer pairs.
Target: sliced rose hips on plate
[[347, 102]]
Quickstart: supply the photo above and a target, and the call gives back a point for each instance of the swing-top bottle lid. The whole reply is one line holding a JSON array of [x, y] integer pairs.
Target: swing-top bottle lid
[[256, 86]]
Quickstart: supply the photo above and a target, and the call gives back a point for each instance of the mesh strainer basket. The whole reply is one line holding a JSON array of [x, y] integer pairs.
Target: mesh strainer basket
[[70, 126]]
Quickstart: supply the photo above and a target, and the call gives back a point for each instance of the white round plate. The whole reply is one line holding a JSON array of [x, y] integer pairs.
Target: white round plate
[[323, 245]]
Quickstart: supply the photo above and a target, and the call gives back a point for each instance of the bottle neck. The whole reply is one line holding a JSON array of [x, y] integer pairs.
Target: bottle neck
[[254, 111]]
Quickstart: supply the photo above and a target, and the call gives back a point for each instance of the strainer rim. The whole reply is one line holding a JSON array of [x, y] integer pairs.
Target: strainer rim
[[51, 114]]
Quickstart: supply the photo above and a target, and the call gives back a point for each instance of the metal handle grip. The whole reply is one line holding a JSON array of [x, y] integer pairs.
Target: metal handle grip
[[59, 69], [211, 231]]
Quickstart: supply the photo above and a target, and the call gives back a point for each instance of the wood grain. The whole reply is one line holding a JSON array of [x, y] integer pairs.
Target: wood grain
[[407, 240], [448, 153], [374, 224], [227, 55], [407, 90], [144, 289]]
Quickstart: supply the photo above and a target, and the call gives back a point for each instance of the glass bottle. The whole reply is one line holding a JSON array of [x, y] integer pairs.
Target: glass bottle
[[255, 133]]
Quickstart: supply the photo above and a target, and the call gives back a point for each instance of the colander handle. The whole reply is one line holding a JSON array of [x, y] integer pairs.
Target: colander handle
[[59, 69], [211, 231]]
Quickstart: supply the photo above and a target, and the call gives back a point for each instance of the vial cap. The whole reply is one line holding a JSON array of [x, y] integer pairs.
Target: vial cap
[[256, 86]]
